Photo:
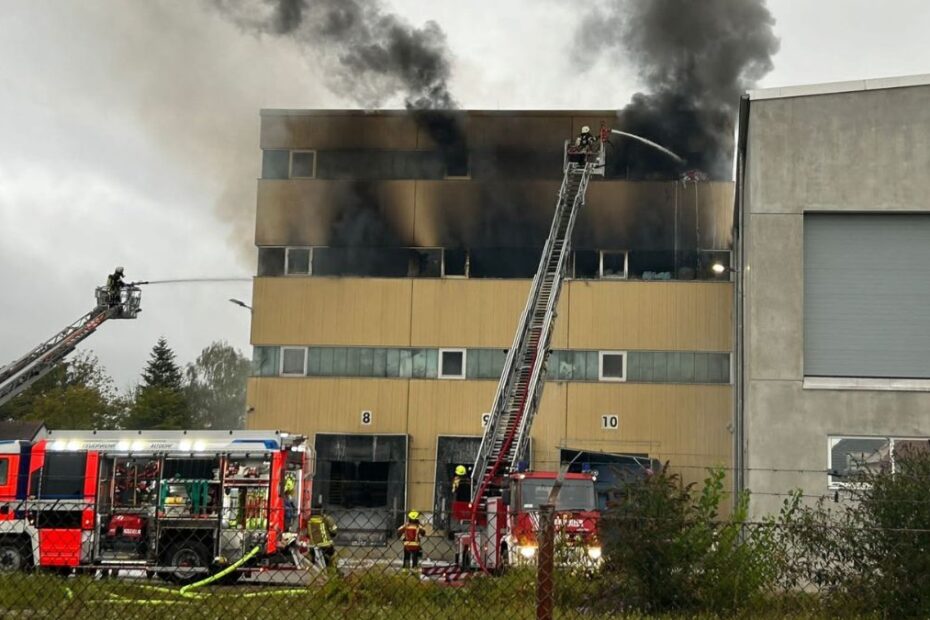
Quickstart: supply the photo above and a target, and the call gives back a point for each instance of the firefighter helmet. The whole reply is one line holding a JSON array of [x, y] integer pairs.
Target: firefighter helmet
[[413, 515], [585, 129], [119, 270], [289, 485], [460, 470]]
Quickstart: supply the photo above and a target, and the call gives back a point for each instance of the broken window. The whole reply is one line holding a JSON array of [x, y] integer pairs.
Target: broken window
[[503, 262], [270, 261], [275, 164], [452, 363], [587, 264], [303, 164], [425, 263], [455, 263], [457, 164], [613, 264], [612, 366], [293, 360], [298, 261]]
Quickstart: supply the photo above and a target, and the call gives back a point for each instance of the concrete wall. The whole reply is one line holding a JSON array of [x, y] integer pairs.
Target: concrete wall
[[860, 151]]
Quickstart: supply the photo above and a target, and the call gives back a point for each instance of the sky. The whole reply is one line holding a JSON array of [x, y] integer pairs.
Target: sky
[[130, 137]]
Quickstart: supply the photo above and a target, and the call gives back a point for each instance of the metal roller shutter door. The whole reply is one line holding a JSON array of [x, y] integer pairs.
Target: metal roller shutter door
[[867, 295]]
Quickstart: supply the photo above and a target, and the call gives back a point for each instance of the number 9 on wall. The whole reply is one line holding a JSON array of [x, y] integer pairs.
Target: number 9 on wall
[[610, 422]]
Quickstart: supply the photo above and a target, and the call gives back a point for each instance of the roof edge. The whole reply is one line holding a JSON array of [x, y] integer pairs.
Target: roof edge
[[829, 88]]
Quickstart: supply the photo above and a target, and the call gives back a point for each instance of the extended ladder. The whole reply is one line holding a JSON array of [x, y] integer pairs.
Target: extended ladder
[[520, 388], [19, 375]]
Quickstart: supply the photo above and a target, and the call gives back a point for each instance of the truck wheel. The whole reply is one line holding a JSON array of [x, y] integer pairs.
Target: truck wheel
[[187, 559], [13, 556]]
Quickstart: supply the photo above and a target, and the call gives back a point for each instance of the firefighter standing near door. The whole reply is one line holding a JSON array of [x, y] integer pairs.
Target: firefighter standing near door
[[411, 532], [461, 485], [321, 529]]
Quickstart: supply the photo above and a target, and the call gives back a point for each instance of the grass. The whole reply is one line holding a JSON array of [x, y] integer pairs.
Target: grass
[[373, 594]]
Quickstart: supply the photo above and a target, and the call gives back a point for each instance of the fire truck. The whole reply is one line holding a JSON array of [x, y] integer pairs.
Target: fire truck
[[501, 518], [177, 504]]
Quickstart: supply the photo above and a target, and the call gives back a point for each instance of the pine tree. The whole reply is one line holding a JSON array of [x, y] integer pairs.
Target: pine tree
[[160, 401], [161, 370]]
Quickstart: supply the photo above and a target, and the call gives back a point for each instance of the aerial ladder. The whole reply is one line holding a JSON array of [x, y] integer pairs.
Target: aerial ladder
[[124, 303], [506, 435]]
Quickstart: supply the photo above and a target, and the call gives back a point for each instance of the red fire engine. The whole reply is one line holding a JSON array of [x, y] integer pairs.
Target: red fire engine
[[173, 503]]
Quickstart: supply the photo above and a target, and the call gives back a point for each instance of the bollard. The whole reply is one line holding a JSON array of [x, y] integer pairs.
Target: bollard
[[545, 578]]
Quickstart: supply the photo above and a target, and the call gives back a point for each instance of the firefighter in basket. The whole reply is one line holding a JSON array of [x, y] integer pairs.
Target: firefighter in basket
[[411, 533]]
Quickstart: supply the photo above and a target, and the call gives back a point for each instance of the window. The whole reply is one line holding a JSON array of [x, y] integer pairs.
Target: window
[[270, 261], [455, 263], [63, 475], [4, 471], [303, 164], [293, 361], [298, 262], [452, 363], [457, 164], [612, 366], [850, 458], [424, 263], [587, 264], [265, 361], [613, 264], [275, 164]]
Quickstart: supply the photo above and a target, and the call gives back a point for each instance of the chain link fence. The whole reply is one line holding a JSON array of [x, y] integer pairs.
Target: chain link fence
[[661, 549]]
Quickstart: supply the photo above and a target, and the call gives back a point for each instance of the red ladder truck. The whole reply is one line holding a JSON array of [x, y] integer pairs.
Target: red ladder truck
[[174, 503], [500, 525]]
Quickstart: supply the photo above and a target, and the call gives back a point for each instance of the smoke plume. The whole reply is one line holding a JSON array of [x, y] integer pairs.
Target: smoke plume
[[696, 59], [371, 55]]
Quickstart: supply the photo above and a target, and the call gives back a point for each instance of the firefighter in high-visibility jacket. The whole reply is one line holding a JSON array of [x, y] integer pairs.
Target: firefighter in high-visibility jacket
[[321, 529], [411, 532]]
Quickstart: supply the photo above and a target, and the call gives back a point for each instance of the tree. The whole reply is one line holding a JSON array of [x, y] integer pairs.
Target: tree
[[76, 394], [216, 387], [160, 401], [161, 370]]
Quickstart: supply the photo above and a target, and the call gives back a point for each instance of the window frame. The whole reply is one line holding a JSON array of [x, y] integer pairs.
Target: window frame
[[290, 163], [626, 265], [600, 366], [455, 276], [439, 371], [303, 372], [834, 485], [287, 260], [6, 464]]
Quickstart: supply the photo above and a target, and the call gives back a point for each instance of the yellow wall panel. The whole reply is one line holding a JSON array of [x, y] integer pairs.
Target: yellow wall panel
[[338, 131], [666, 316], [308, 406], [313, 212], [466, 313], [331, 311]]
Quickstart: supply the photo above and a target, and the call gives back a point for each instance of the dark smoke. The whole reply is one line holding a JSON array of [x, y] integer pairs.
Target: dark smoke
[[371, 55], [696, 59]]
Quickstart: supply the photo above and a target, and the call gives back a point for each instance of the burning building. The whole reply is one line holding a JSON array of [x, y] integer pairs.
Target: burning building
[[395, 252]]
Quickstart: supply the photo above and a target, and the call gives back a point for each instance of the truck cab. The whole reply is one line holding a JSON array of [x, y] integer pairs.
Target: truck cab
[[576, 518]]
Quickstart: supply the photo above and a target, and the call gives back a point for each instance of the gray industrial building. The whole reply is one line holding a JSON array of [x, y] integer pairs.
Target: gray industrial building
[[833, 282]]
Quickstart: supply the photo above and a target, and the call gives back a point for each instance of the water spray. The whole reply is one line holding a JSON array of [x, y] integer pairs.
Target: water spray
[[189, 280], [650, 143]]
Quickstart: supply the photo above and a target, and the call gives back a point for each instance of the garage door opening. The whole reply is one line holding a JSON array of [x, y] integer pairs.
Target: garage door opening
[[361, 482]]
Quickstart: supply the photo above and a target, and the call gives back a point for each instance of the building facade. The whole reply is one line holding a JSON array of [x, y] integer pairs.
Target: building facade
[[392, 271], [834, 276]]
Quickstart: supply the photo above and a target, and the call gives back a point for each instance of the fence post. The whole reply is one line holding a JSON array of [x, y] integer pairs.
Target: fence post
[[545, 582]]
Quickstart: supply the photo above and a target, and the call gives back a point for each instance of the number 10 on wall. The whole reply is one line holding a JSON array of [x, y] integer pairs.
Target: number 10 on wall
[[610, 422]]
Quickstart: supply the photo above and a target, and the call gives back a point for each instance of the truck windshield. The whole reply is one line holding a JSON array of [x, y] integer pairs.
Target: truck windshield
[[574, 495]]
